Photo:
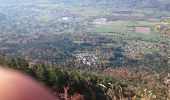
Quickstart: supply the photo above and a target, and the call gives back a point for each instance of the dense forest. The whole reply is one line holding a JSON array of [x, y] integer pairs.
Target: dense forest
[[76, 84]]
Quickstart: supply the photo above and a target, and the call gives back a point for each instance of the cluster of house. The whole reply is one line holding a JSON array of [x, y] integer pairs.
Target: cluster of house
[[28, 21], [87, 58], [99, 21], [66, 18], [64, 15]]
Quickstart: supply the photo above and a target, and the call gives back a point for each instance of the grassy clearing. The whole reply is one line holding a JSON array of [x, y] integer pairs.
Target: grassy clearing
[[114, 27], [147, 23], [120, 27]]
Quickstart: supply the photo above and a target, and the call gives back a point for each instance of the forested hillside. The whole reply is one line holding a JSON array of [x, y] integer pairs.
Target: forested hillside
[[90, 49], [74, 84]]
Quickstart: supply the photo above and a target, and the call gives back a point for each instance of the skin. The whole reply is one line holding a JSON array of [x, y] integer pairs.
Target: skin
[[17, 86]]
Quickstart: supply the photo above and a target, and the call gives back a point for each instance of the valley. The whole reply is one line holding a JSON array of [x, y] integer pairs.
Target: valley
[[124, 41]]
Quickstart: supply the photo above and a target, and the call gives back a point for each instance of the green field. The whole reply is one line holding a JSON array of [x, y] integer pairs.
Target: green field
[[114, 27]]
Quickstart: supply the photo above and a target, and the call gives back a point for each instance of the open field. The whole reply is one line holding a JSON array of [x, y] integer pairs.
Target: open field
[[114, 26]]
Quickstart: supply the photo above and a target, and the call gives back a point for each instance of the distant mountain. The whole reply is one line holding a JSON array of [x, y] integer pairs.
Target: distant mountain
[[155, 4]]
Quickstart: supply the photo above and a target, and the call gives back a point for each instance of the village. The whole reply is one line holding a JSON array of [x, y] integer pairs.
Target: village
[[87, 58], [137, 33], [97, 49]]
